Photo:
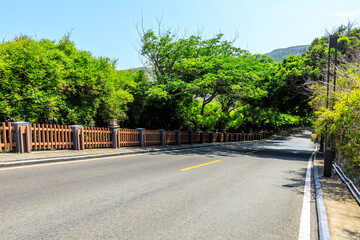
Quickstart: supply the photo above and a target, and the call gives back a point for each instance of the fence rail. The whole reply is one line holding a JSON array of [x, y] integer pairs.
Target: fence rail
[[46, 136]]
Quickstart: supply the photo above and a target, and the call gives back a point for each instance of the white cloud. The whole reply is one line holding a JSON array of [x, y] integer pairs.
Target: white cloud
[[345, 14]]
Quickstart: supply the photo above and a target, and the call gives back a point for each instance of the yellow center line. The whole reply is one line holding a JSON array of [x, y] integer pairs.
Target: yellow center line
[[184, 169], [251, 152]]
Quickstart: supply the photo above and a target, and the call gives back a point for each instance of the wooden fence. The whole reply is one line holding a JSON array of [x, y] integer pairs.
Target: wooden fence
[[96, 137], [184, 137], [152, 137], [196, 137], [170, 137], [214, 137], [45, 136], [127, 137], [206, 137], [6, 143]]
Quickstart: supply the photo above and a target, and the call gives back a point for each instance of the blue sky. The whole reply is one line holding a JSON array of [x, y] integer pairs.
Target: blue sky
[[107, 27]]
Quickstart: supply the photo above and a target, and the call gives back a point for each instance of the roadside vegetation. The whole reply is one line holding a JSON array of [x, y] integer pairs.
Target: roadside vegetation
[[208, 84], [342, 117], [55, 83]]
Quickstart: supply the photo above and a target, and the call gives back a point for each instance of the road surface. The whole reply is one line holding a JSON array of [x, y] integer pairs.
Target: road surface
[[251, 190]]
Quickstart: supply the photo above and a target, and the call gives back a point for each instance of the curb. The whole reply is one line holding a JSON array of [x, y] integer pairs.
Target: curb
[[324, 232], [83, 157]]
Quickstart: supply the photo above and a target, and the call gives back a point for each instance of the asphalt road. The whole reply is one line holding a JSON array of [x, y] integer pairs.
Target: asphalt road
[[245, 191]]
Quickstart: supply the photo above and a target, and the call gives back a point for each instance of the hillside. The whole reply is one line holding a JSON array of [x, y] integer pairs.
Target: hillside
[[281, 53]]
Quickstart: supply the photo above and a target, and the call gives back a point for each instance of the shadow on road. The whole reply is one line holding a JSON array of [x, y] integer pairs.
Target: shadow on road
[[238, 150], [297, 181]]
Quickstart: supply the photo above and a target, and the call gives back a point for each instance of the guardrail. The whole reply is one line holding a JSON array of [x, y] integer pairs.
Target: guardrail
[[350, 185], [25, 137]]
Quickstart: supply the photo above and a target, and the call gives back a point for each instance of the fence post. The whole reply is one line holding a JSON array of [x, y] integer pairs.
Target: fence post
[[211, 137], [142, 137], [178, 137], [162, 137], [114, 138], [22, 136], [191, 135], [78, 137], [202, 137], [113, 126]]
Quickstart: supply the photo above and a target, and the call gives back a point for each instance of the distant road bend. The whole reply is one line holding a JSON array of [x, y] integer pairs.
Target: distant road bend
[[241, 191]]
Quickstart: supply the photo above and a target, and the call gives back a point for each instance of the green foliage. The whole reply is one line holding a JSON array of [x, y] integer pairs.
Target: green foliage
[[342, 124], [207, 83], [341, 120], [290, 90], [47, 82], [204, 83]]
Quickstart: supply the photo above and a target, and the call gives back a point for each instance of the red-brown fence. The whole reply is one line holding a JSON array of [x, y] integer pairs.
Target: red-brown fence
[[214, 137], [152, 137], [228, 137], [45, 136], [197, 137], [170, 137], [6, 143], [127, 137], [233, 137], [206, 137], [221, 137], [96, 137], [184, 136]]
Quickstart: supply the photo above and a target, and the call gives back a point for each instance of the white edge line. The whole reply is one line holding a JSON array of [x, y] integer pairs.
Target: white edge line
[[304, 231]]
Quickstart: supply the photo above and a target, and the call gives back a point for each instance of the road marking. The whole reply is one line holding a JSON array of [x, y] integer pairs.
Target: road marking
[[184, 169], [304, 232], [252, 152]]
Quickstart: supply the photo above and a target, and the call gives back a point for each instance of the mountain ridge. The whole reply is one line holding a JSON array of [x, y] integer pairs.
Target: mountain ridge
[[278, 54], [281, 53]]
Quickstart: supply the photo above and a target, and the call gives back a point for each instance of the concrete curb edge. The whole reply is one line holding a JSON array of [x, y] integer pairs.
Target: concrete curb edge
[[323, 225]]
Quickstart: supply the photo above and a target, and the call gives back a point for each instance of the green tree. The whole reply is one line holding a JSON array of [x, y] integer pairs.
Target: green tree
[[47, 82], [211, 70]]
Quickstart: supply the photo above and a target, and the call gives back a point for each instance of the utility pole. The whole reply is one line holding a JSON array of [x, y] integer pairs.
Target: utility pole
[[329, 153]]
